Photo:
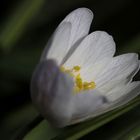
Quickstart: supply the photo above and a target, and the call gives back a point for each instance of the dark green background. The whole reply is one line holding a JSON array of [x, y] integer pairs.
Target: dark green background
[[24, 32]]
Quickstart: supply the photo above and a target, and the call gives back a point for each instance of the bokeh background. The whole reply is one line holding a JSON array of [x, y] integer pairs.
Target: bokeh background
[[25, 27]]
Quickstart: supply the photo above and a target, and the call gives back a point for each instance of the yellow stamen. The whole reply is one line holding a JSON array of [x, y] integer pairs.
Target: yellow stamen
[[62, 68], [89, 85], [79, 84], [76, 68], [76, 89], [68, 71]]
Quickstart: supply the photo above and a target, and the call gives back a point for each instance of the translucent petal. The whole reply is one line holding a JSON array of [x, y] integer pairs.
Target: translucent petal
[[51, 92], [59, 44], [66, 38]]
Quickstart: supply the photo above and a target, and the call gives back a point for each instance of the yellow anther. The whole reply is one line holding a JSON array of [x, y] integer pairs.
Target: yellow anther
[[68, 71], [78, 76], [78, 81], [79, 84], [76, 89], [90, 85], [76, 68], [85, 85], [62, 68]]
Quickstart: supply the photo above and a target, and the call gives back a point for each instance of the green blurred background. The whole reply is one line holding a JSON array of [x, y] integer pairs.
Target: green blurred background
[[26, 26]]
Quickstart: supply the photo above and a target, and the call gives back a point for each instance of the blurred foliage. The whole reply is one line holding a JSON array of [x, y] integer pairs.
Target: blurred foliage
[[24, 30], [42, 131], [18, 21], [16, 119]]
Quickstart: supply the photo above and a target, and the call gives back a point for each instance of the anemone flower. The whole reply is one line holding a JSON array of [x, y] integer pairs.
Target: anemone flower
[[78, 77]]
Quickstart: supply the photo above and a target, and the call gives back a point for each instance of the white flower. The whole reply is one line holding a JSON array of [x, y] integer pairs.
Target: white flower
[[78, 78]]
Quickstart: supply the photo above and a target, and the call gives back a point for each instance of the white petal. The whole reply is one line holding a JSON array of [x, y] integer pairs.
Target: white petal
[[90, 72], [86, 103], [51, 92], [122, 91], [95, 47], [121, 68], [80, 19], [66, 37], [61, 106], [121, 79], [58, 43], [132, 91]]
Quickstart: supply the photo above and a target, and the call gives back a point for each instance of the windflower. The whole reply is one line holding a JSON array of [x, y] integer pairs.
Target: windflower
[[78, 76]]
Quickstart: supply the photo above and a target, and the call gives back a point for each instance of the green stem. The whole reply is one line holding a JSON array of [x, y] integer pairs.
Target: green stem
[[23, 131]]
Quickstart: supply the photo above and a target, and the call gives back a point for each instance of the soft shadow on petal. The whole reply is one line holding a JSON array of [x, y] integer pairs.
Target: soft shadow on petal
[[59, 43], [51, 92], [86, 103], [80, 19], [130, 91], [95, 47], [66, 39]]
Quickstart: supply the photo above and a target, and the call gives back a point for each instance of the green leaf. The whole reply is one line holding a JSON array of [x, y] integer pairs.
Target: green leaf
[[44, 131], [16, 119], [118, 128], [17, 23]]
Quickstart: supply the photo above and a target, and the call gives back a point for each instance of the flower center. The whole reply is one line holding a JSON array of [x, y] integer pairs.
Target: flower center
[[79, 84]]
